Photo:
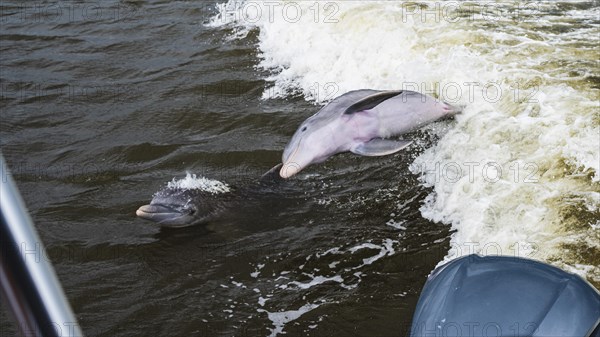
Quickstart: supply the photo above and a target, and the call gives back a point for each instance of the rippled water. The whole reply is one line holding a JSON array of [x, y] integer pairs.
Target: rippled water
[[104, 103]]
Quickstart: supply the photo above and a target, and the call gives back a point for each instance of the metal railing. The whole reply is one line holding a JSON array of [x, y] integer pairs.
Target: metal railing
[[29, 284]]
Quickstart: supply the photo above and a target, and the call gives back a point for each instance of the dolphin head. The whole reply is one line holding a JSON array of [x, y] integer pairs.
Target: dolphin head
[[175, 207], [312, 143]]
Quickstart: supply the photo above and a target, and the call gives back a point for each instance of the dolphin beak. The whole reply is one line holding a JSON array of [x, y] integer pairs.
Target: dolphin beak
[[291, 166], [157, 213], [289, 169]]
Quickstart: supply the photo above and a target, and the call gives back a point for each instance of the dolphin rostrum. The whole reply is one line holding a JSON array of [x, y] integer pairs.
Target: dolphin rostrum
[[359, 121]]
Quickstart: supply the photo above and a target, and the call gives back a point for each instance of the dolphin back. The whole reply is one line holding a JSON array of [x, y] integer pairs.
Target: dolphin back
[[342, 103]]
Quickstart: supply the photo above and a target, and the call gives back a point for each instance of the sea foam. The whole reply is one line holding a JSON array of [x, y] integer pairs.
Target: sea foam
[[519, 171]]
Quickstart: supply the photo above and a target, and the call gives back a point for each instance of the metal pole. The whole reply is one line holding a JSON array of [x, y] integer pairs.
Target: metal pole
[[29, 285]]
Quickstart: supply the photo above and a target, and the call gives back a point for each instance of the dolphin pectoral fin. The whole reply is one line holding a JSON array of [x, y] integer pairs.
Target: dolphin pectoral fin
[[371, 101], [380, 147]]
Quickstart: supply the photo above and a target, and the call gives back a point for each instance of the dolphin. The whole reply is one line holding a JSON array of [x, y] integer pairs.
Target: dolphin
[[175, 207], [359, 121], [178, 207]]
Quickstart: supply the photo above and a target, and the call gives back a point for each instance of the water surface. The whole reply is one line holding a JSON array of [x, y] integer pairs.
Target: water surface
[[104, 103]]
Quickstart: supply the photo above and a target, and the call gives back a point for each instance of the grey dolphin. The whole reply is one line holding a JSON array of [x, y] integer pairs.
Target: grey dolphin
[[359, 121], [175, 207]]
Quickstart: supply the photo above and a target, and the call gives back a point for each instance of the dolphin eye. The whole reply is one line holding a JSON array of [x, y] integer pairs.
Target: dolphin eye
[[303, 129]]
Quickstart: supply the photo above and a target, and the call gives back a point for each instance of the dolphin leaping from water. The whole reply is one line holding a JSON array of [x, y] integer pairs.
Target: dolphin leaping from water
[[359, 121]]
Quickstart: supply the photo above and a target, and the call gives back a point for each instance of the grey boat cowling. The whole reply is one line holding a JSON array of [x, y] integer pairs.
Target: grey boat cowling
[[505, 296]]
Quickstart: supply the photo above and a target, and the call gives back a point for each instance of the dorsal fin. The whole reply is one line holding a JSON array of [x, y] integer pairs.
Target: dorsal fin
[[371, 101]]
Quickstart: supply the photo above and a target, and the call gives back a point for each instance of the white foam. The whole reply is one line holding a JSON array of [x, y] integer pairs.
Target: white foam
[[262, 301], [396, 224], [386, 249], [334, 250], [541, 133], [316, 280], [191, 181], [281, 318], [238, 284]]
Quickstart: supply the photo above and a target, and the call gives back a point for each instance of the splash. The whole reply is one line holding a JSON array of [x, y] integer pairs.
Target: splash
[[191, 181]]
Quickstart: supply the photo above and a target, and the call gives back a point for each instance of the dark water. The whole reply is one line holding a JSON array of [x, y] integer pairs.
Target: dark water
[[103, 103]]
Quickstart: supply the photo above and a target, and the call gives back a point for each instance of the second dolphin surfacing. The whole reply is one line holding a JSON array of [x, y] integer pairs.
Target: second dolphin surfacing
[[192, 200], [359, 121]]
